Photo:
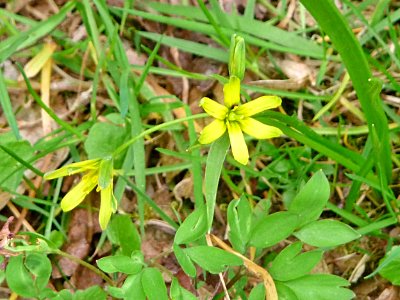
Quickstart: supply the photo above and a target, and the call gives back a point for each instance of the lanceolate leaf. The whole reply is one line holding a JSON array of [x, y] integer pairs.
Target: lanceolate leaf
[[311, 200], [320, 286], [211, 259], [194, 227], [326, 233], [273, 229]]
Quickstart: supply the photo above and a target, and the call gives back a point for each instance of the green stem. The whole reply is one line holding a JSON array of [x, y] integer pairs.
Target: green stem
[[85, 264], [156, 128]]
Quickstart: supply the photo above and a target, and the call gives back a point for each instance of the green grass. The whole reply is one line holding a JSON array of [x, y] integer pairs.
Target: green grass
[[338, 123]]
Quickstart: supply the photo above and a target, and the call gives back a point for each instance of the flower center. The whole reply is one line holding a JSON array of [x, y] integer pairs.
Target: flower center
[[233, 116]]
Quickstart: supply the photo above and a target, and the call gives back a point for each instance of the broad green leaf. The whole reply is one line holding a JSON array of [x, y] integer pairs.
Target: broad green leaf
[[39, 266], [10, 170], [62, 295], [193, 228], [258, 292], [177, 292], [122, 231], [311, 200], [260, 211], [20, 274], [320, 286], [94, 292], [116, 292], [273, 228], [103, 139], [153, 284], [291, 264], [326, 233], [119, 263], [185, 262], [212, 259], [389, 266], [19, 280], [239, 220], [132, 288], [284, 292]]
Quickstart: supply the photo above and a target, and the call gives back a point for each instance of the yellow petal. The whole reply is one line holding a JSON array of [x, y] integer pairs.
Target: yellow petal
[[79, 192], [259, 130], [212, 132], [37, 62], [232, 92], [258, 105], [238, 144], [106, 197], [213, 108], [74, 168]]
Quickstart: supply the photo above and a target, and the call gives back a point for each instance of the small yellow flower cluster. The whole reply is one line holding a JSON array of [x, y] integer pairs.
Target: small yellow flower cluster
[[99, 172]]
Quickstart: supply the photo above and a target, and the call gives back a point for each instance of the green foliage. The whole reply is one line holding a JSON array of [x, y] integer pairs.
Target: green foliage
[[326, 233], [28, 276], [103, 140], [311, 200], [256, 227], [10, 168], [316, 286], [121, 263], [193, 228], [290, 264], [179, 293], [389, 266], [122, 232], [211, 259]]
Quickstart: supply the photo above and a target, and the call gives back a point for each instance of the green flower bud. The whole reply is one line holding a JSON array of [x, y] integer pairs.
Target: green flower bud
[[237, 57]]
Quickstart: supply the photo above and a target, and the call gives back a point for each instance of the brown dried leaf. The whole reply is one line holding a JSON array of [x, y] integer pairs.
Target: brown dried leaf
[[80, 234]]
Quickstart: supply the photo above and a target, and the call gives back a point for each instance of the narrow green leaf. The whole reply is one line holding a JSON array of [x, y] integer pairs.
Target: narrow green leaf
[[5, 103], [215, 161], [336, 27], [179, 293], [36, 32], [185, 262]]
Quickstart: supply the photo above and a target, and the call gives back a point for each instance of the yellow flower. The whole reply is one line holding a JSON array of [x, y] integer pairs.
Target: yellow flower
[[100, 174], [236, 118]]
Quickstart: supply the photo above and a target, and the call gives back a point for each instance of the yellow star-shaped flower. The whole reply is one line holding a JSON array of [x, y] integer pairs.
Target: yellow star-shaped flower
[[100, 174], [236, 118]]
